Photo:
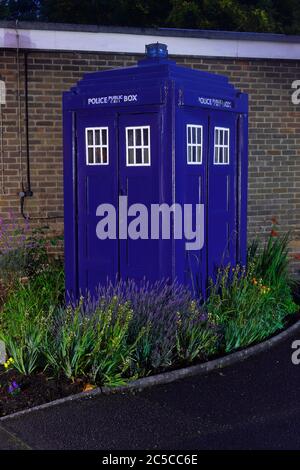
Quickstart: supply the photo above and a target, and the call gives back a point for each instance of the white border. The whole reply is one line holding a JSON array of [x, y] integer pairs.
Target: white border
[[142, 146], [221, 145], [197, 126], [135, 44], [94, 146]]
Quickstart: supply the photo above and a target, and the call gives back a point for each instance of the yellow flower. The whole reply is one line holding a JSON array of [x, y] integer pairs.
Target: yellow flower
[[8, 363]]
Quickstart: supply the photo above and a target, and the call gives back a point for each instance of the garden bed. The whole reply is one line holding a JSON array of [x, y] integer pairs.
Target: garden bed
[[38, 389], [129, 330]]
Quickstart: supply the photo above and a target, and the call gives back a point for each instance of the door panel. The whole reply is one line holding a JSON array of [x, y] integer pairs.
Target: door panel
[[97, 184], [221, 191], [139, 181], [194, 160]]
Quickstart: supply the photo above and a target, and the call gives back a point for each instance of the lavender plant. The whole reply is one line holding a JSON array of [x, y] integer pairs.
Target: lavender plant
[[156, 308]]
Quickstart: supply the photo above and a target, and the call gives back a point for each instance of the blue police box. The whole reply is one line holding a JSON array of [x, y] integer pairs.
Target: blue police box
[[156, 133]]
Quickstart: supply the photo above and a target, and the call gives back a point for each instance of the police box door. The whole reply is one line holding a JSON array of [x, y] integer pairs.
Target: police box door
[[222, 191], [139, 160], [118, 155], [97, 183]]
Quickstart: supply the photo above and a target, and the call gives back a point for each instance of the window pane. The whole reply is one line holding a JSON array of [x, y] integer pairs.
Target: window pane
[[104, 137], [138, 137], [216, 159], [199, 135], [90, 155], [189, 153], [193, 154], [98, 155], [97, 137], [145, 134], [146, 156], [138, 156], [130, 156], [194, 135], [221, 155], [216, 136], [130, 137], [198, 153], [104, 155], [189, 135], [225, 137], [222, 132], [90, 137], [226, 155]]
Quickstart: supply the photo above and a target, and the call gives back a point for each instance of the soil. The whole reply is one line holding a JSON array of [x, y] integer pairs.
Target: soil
[[33, 390]]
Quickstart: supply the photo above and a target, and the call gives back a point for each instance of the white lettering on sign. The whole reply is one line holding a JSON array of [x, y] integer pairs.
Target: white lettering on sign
[[216, 102], [112, 99]]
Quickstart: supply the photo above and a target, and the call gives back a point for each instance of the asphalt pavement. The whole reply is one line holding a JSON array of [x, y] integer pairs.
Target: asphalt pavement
[[254, 404]]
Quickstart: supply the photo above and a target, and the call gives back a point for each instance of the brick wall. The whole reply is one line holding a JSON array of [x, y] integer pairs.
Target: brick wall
[[274, 132]]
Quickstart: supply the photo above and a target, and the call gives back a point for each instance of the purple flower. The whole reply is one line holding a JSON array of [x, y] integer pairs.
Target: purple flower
[[14, 388]]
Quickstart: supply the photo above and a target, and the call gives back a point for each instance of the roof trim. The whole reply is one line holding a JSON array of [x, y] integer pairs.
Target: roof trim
[[172, 32], [93, 38]]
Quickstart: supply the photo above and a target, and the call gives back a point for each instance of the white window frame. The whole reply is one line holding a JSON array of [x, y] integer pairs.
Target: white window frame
[[94, 146], [218, 146], [194, 144], [135, 147]]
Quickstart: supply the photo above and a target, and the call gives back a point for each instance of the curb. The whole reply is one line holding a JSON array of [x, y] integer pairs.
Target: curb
[[168, 377]]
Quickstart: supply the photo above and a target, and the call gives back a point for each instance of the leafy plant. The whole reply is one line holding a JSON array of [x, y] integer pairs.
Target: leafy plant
[[33, 299], [25, 348], [69, 343], [271, 261], [25, 318], [113, 354], [195, 337], [252, 303], [92, 346]]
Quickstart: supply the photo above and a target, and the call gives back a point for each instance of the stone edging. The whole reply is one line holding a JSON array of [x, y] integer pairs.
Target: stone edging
[[168, 377]]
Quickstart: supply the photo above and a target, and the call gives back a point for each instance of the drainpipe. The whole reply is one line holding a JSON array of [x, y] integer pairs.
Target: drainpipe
[[26, 190]]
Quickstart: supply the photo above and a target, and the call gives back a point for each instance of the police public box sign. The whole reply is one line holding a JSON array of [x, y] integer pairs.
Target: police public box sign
[[112, 99], [215, 102]]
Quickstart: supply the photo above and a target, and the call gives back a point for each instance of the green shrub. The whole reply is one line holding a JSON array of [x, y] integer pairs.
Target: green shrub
[[69, 343], [252, 303], [195, 337], [113, 353], [25, 345], [94, 347], [26, 315], [33, 299], [270, 261]]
